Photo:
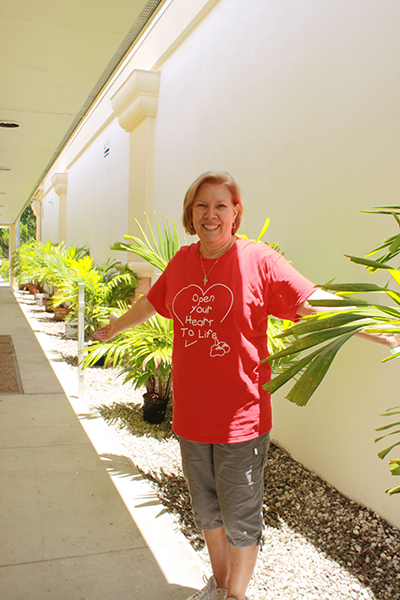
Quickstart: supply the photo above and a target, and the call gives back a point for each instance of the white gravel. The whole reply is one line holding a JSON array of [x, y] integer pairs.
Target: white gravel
[[317, 543]]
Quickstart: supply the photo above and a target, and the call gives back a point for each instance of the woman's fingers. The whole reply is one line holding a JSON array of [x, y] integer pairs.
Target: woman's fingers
[[108, 331], [102, 334]]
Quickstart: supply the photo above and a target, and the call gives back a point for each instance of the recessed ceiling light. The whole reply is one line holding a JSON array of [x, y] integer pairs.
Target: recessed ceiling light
[[9, 124]]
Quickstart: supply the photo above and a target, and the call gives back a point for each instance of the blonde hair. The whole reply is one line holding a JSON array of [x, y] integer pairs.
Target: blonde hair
[[217, 177]]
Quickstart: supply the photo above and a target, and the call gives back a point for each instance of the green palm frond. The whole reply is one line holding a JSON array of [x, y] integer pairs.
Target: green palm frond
[[157, 252], [142, 354]]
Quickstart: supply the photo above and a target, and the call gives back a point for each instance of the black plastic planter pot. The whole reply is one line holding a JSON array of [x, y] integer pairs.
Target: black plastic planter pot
[[153, 408]]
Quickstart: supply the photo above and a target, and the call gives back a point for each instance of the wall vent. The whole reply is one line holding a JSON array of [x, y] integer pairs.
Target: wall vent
[[106, 149]]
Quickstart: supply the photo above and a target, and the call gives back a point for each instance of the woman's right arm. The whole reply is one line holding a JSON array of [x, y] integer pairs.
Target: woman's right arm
[[139, 312]]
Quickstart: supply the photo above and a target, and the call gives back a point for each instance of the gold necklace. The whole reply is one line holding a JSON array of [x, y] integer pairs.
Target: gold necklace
[[205, 280]]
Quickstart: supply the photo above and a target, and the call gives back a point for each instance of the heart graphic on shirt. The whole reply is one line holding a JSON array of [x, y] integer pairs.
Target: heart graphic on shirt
[[194, 302]]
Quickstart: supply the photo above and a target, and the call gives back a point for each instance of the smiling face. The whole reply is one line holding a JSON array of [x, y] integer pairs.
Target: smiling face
[[213, 216]]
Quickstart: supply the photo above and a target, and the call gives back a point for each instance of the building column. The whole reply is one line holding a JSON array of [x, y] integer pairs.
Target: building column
[[12, 248], [135, 106], [60, 184], [36, 205]]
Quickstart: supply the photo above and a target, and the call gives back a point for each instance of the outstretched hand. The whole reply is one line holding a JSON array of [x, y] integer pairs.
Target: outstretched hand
[[393, 341], [138, 313], [108, 331]]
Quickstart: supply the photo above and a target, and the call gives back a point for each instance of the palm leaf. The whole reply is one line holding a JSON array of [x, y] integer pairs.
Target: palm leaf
[[395, 466], [387, 434], [384, 244], [305, 387], [277, 382], [157, 252], [380, 312], [396, 275], [140, 249], [322, 321], [264, 229], [388, 412], [314, 339], [386, 451], [355, 288], [373, 264]]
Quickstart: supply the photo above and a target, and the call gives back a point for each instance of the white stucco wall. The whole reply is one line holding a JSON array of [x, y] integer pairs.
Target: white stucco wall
[[50, 216], [97, 204], [298, 100]]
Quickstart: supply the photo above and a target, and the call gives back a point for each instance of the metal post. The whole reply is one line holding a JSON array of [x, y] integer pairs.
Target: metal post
[[81, 335]]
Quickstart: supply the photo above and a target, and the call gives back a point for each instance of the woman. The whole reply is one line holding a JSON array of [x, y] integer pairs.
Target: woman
[[219, 292]]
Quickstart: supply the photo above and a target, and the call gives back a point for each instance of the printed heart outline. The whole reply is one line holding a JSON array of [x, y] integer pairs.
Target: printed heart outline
[[203, 293]]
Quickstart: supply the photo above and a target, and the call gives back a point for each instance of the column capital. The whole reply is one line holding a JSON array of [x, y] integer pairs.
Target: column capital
[[59, 182], [38, 194], [36, 207], [137, 98], [36, 203]]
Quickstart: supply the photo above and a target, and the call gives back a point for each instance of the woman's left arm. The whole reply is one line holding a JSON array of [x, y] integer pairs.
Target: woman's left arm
[[387, 339]]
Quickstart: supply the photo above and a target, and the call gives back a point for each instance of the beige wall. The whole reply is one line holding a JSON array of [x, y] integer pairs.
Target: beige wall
[[50, 216], [97, 197], [299, 101]]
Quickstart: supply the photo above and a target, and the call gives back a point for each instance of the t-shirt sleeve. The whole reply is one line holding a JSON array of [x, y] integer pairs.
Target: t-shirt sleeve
[[288, 289], [157, 295]]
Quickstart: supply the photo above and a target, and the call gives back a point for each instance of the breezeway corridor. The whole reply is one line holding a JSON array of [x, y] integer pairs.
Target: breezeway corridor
[[69, 531]]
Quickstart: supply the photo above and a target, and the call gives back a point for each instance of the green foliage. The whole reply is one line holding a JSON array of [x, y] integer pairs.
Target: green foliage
[[159, 250], [4, 241], [59, 270], [394, 466], [27, 231], [44, 263], [143, 354], [4, 269], [317, 338], [263, 231], [105, 289], [28, 261]]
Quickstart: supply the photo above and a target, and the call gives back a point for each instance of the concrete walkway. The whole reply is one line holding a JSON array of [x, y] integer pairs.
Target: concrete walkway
[[77, 521]]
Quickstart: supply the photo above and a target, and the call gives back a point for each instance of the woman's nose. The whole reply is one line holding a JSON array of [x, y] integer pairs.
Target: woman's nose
[[210, 212]]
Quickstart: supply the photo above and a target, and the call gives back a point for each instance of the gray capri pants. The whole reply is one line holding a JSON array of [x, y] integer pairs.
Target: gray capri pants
[[226, 485]]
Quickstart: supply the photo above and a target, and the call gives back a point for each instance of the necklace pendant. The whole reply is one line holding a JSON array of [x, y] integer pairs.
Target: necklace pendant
[[205, 280]]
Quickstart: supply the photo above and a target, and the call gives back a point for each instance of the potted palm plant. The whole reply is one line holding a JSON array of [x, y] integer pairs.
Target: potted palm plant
[[144, 357], [106, 288]]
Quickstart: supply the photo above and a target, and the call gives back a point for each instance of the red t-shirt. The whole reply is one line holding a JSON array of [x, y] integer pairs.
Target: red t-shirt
[[220, 336]]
